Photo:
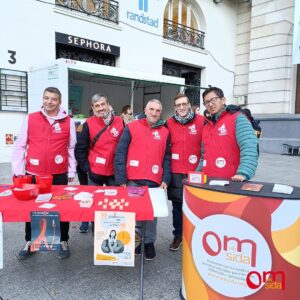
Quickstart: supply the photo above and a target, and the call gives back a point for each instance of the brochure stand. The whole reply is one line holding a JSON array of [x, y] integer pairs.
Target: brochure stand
[[241, 244]]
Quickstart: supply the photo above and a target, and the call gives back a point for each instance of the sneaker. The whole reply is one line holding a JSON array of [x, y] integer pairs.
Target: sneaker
[[176, 244], [84, 227], [25, 252], [150, 252], [64, 251], [137, 250]]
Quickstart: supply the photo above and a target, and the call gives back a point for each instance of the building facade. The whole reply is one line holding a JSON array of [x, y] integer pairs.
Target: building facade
[[244, 47]]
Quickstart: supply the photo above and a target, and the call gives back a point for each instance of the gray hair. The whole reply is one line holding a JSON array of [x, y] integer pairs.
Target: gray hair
[[155, 101], [97, 97]]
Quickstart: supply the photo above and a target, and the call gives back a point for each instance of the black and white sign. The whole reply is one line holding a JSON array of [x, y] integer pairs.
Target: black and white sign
[[84, 43]]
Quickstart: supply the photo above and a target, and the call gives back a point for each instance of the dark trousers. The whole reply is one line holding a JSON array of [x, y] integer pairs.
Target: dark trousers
[[177, 218], [58, 179], [95, 179]]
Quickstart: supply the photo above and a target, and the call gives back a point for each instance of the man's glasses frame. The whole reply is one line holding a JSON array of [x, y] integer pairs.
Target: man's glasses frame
[[181, 104], [213, 100]]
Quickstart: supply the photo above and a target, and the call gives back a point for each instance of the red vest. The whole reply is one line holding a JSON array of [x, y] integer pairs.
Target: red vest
[[47, 151], [221, 151], [185, 144], [101, 156], [146, 151]]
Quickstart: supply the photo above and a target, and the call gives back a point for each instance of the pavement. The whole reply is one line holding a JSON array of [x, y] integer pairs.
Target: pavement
[[44, 276]]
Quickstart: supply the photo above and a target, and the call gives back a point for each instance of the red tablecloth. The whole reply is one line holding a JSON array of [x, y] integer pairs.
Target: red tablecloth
[[14, 210]]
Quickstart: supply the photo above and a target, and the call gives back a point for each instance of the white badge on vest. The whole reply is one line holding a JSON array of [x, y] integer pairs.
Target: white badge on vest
[[220, 162], [134, 163], [155, 169], [175, 156], [34, 162], [100, 160], [59, 159], [193, 159]]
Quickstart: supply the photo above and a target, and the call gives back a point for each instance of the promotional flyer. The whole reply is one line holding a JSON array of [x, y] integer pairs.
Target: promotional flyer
[[240, 247], [45, 231], [114, 238]]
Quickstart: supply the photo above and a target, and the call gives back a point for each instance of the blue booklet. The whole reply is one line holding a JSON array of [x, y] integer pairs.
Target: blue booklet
[[45, 231]]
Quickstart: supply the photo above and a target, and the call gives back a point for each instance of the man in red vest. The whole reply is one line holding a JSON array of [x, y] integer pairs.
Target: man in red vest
[[229, 143], [46, 146], [143, 159], [186, 136], [96, 146]]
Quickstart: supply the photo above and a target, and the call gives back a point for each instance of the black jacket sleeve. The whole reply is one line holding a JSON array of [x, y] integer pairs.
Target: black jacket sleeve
[[121, 157], [82, 149], [167, 163]]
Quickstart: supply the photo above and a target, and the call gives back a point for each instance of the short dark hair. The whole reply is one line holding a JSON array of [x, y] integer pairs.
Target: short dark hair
[[181, 95], [217, 91], [53, 90], [125, 108]]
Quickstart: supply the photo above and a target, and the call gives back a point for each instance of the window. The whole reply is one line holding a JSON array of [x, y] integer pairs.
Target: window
[[181, 24], [104, 9], [13, 90]]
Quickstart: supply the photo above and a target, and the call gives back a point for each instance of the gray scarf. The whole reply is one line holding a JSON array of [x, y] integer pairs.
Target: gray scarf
[[185, 120]]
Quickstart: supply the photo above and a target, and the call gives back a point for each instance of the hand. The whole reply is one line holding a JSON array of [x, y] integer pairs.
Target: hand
[[238, 177], [163, 186], [123, 185], [70, 179]]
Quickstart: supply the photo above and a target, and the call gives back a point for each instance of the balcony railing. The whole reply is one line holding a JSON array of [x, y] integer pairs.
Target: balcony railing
[[104, 9], [183, 34]]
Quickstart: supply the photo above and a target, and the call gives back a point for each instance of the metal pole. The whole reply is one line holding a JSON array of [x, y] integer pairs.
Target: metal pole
[[132, 95], [143, 229]]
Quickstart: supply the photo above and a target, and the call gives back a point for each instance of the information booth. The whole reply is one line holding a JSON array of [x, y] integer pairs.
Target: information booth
[[239, 243]]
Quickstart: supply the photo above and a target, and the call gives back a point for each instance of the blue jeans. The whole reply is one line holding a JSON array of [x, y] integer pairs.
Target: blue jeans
[[150, 226]]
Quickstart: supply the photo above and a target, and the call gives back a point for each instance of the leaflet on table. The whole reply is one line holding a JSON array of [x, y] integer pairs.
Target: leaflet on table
[[254, 187], [6, 193], [45, 231], [282, 188], [44, 197], [1, 243], [83, 196], [114, 238]]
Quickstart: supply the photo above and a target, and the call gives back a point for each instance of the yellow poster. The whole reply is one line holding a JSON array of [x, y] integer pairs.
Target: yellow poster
[[114, 238]]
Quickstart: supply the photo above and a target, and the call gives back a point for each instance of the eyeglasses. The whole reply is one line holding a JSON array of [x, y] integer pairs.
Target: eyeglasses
[[181, 104], [213, 100]]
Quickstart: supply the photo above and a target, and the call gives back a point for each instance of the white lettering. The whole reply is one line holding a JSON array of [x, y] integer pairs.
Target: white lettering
[[89, 44], [96, 45]]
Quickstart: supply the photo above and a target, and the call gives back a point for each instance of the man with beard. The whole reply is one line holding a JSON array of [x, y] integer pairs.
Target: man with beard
[[96, 146]]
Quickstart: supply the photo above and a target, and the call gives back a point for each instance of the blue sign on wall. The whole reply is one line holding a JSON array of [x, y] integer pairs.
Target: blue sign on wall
[[143, 5], [143, 18]]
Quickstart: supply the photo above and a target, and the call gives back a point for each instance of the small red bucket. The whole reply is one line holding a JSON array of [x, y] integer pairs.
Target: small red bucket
[[44, 183], [21, 179]]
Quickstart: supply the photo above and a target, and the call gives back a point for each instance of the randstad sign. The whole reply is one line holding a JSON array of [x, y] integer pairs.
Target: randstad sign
[[141, 14]]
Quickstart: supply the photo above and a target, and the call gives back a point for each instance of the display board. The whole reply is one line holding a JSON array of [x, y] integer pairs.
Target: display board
[[240, 246]]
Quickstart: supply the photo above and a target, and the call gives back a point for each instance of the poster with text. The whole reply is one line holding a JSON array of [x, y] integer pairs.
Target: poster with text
[[239, 246], [45, 231], [1, 243], [114, 238]]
